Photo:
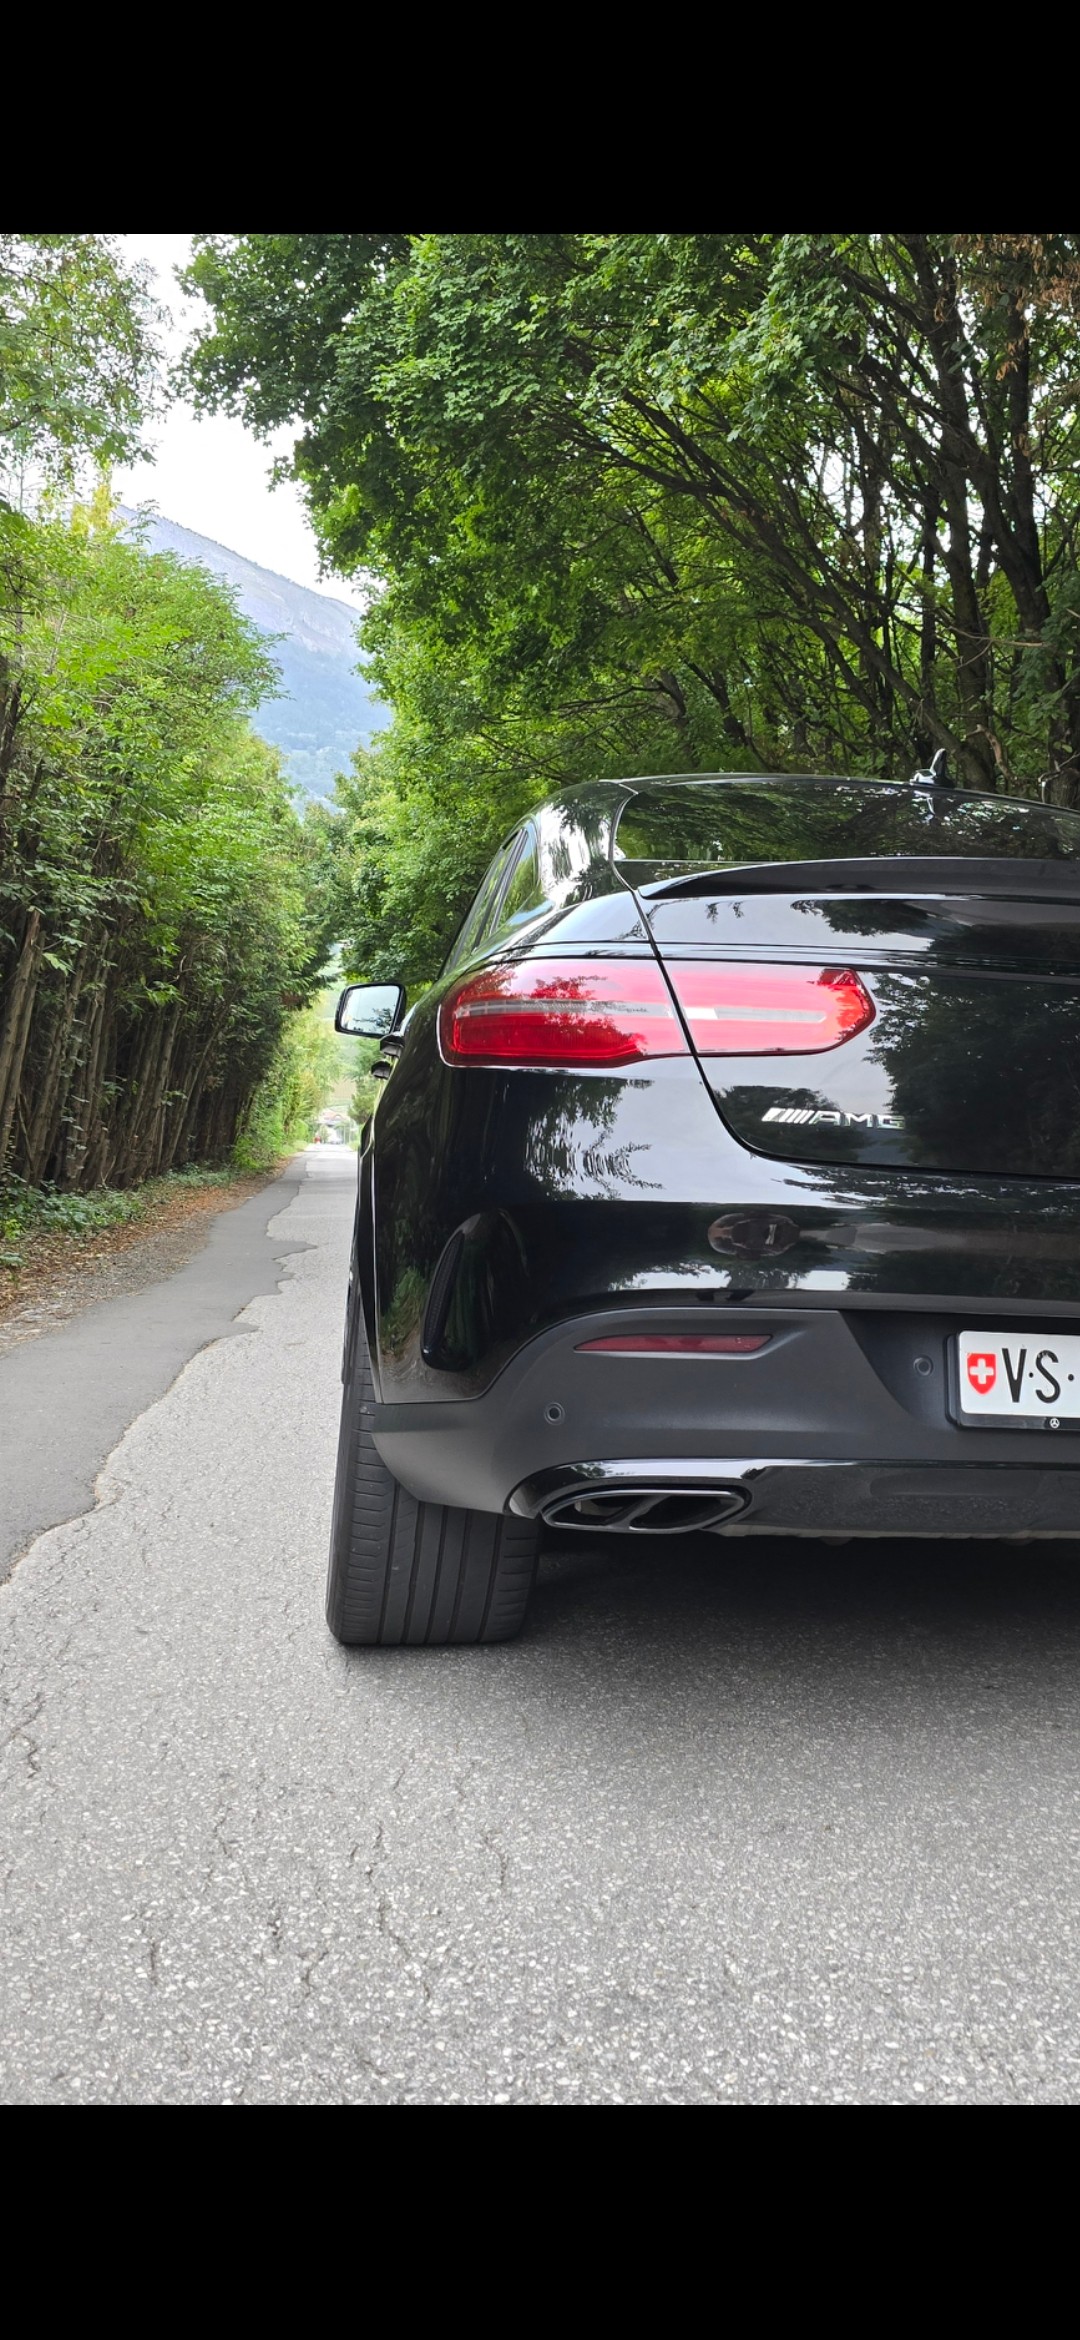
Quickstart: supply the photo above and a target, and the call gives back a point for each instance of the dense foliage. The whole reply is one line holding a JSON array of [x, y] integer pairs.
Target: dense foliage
[[77, 356], [162, 908], [657, 502]]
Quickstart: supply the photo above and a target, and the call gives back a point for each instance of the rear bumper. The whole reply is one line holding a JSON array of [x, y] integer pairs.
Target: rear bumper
[[497, 1205], [746, 1496], [832, 1428]]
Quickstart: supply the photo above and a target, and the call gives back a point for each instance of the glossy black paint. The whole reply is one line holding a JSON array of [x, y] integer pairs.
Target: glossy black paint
[[973, 1061], [500, 1205], [830, 1388]]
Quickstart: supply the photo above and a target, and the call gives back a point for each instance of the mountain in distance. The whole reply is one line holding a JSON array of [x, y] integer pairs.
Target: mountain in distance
[[325, 710]]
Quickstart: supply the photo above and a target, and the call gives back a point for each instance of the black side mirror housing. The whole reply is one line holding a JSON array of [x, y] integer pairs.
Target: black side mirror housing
[[369, 1011]]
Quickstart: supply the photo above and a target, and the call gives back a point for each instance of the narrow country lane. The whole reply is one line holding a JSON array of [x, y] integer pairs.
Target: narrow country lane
[[734, 1821]]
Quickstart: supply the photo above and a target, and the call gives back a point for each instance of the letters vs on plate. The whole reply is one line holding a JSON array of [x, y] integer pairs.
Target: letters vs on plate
[[1023, 1376]]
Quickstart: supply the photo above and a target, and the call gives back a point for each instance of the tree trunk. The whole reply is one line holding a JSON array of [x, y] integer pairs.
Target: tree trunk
[[89, 1137], [54, 1077], [15, 1028]]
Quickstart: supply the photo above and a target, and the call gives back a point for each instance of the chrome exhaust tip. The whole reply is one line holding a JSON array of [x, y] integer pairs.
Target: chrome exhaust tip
[[645, 1511]]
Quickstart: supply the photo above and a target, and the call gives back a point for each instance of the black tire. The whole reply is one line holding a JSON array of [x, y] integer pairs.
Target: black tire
[[403, 1572]]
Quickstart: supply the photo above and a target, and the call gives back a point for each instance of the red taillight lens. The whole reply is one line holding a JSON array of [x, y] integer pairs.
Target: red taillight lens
[[768, 1011], [678, 1344], [561, 1011]]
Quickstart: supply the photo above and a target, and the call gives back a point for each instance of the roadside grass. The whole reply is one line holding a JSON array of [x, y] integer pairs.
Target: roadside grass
[[29, 1211]]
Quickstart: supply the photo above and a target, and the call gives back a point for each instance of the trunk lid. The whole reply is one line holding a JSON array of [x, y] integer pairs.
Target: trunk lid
[[972, 1059]]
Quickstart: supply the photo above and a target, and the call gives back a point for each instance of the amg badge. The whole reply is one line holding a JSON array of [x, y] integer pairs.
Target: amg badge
[[807, 1113]]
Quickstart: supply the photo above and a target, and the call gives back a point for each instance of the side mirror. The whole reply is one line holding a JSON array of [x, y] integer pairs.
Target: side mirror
[[369, 1011]]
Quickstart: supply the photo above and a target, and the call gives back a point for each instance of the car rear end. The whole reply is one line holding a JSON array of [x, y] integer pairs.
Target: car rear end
[[760, 1164]]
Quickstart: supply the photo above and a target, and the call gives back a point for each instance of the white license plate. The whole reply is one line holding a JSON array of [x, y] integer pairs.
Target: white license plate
[[1024, 1376]]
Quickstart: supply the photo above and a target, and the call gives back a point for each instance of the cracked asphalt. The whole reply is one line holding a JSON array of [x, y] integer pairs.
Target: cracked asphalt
[[734, 1822]]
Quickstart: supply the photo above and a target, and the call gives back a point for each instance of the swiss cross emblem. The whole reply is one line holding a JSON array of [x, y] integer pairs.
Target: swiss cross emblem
[[982, 1372]]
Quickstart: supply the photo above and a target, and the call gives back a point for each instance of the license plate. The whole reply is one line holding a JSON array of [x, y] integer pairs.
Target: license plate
[[1018, 1377]]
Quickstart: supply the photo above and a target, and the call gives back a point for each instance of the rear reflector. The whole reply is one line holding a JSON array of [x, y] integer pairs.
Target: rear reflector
[[561, 1011], [679, 1344], [740, 1010]]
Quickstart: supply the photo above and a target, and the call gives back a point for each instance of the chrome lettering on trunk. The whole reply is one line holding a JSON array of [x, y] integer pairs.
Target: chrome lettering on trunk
[[806, 1114]]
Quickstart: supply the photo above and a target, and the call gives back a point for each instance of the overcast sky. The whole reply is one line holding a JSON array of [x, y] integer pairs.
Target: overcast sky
[[210, 474]]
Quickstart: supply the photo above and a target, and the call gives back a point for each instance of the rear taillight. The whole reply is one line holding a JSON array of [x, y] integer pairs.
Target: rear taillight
[[561, 1011], [740, 1010], [616, 1011]]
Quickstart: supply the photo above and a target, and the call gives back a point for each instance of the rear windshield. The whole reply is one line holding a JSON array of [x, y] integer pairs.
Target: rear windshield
[[723, 823]]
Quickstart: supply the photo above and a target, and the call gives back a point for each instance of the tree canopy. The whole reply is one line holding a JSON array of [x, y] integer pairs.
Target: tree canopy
[[77, 353], [670, 502]]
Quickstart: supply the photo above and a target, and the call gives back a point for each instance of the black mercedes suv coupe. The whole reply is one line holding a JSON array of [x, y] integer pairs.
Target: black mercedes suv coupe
[[729, 1179]]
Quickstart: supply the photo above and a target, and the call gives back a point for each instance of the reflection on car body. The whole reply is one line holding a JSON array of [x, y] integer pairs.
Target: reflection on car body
[[837, 1021]]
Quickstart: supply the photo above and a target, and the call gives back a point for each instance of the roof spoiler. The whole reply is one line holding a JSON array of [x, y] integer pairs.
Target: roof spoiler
[[891, 874]]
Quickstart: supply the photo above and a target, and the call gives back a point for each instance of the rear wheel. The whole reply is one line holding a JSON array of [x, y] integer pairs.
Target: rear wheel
[[409, 1572]]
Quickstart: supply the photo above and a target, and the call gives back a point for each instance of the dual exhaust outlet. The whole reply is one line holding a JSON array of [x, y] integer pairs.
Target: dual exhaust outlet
[[644, 1510]]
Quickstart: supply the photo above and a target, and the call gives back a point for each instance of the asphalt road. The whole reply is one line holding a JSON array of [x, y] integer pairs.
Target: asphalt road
[[67, 1398], [733, 1823]]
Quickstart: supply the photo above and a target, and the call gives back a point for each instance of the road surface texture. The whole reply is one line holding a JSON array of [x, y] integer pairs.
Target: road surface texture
[[743, 1822]]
